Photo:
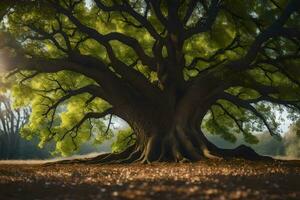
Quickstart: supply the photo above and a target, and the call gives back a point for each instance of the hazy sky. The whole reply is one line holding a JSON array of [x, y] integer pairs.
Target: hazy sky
[[88, 3]]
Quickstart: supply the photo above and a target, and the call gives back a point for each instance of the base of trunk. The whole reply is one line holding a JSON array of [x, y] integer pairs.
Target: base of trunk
[[134, 155], [180, 145]]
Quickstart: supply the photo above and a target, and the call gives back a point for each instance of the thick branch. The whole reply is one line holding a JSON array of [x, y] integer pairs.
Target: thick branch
[[134, 77], [91, 89], [155, 4], [87, 116], [104, 39], [203, 26]]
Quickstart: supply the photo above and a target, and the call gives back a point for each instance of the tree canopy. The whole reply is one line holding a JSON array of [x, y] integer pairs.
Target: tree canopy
[[225, 67]]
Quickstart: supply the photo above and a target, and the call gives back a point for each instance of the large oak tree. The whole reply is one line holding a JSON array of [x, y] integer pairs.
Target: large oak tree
[[172, 69]]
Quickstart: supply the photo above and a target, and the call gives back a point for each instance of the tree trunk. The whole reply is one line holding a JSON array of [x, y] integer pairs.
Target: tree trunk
[[179, 142]]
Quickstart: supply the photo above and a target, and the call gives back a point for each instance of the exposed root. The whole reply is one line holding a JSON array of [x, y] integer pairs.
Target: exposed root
[[170, 151], [106, 158], [242, 152], [209, 155], [131, 158], [247, 153]]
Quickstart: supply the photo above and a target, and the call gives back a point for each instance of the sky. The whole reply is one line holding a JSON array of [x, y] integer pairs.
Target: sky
[[284, 126], [89, 3]]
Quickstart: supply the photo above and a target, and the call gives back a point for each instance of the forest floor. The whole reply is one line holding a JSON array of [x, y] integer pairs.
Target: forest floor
[[235, 179]]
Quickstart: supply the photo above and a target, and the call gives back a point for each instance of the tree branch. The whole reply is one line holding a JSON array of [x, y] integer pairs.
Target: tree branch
[[126, 7], [206, 24], [236, 121], [246, 105], [90, 115], [155, 4], [104, 39], [274, 30], [91, 89], [134, 77]]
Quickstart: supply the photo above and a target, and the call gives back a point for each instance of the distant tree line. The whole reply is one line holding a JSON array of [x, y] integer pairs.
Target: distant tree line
[[12, 145], [292, 141]]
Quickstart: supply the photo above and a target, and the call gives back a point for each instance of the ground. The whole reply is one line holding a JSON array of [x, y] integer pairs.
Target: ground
[[235, 179]]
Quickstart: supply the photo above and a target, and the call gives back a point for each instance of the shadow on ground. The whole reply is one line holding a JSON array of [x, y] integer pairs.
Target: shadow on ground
[[203, 180]]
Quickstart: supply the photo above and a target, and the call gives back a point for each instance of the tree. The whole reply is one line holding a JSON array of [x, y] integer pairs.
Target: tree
[[11, 122], [292, 141], [170, 69], [125, 138]]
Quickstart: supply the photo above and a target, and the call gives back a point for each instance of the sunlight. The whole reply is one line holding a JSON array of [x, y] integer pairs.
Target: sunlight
[[4, 52], [2, 62], [5, 60], [89, 3]]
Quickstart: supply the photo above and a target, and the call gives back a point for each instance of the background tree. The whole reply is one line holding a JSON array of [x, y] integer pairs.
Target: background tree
[[124, 139], [14, 146], [11, 122], [171, 69], [292, 141]]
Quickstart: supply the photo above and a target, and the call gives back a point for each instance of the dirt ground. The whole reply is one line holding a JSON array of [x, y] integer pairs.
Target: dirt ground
[[203, 180]]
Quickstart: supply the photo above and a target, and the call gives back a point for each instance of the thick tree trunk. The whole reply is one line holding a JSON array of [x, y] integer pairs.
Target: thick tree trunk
[[184, 143]]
